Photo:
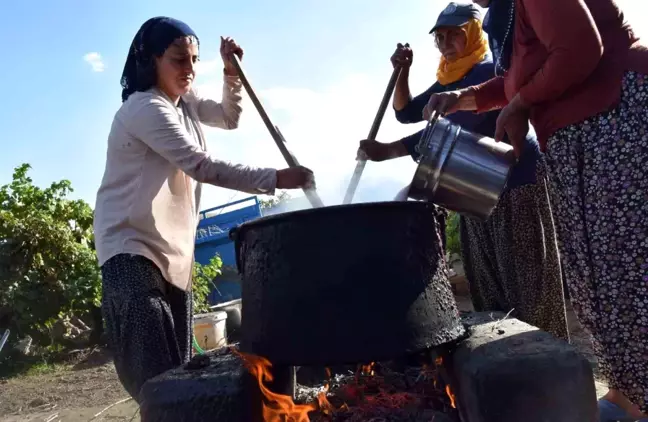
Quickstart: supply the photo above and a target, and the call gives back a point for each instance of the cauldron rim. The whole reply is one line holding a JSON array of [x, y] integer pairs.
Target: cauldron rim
[[291, 215]]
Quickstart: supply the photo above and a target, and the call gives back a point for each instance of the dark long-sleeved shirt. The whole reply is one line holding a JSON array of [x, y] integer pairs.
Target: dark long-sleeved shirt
[[484, 124]]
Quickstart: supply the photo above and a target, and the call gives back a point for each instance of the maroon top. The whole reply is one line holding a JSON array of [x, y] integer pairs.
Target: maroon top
[[568, 62]]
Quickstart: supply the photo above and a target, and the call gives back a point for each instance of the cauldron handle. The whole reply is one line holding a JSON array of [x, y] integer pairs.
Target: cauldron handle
[[235, 236]]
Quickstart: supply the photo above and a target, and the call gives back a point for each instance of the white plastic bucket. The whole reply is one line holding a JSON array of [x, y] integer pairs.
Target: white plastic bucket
[[209, 330]]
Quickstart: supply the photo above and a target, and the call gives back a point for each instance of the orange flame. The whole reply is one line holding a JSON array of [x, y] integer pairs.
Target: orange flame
[[368, 370], [276, 407], [438, 362], [451, 396], [322, 402]]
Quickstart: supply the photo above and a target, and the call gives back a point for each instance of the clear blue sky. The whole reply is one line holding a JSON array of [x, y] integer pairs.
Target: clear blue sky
[[321, 67]]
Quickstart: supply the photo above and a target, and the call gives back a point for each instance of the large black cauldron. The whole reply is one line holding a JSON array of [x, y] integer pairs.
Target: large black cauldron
[[344, 284]]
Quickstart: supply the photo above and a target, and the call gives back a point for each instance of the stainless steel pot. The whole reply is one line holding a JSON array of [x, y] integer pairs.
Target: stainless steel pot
[[460, 170]]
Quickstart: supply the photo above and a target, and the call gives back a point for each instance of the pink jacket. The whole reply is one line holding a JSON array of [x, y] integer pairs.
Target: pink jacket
[[157, 158]]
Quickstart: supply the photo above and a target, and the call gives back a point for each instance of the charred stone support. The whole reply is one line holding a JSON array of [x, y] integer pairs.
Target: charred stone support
[[216, 387], [212, 387], [509, 371]]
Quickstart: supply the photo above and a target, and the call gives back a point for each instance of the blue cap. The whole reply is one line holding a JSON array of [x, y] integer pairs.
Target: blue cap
[[457, 14]]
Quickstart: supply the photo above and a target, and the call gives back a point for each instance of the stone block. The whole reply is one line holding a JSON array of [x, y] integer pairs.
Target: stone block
[[509, 371], [212, 387]]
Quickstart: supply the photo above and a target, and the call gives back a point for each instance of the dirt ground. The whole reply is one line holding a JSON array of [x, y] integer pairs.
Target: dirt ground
[[79, 391], [71, 393]]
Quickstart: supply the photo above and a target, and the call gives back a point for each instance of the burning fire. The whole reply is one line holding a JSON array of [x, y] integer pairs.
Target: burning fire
[[367, 370], [367, 396], [276, 407], [439, 363], [322, 402], [451, 396]]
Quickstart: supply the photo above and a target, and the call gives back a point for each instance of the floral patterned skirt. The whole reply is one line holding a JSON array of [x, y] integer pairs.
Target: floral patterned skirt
[[599, 186], [512, 261]]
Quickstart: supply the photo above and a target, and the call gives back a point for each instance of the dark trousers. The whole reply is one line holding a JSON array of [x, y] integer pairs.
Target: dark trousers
[[148, 320]]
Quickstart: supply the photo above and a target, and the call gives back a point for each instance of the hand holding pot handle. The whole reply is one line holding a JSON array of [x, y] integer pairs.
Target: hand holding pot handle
[[450, 102]]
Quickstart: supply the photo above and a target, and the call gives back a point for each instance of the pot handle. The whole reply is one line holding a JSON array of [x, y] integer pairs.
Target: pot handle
[[234, 234]]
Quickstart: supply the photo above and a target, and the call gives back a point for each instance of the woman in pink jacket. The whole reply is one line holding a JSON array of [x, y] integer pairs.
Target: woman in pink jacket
[[577, 70]]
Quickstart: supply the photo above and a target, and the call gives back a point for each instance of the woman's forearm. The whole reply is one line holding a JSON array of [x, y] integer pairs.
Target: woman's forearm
[[402, 94], [397, 149], [227, 113], [490, 95], [467, 100]]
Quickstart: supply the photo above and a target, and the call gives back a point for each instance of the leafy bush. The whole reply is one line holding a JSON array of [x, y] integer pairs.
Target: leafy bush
[[453, 246], [203, 280], [48, 266]]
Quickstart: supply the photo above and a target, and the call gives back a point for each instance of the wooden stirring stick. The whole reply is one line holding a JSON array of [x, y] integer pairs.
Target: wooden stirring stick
[[360, 165], [311, 194]]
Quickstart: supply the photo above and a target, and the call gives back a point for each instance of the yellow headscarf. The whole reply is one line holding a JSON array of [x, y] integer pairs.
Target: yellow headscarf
[[475, 51]]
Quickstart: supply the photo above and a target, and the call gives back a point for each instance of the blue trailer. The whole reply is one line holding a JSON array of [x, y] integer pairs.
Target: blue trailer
[[212, 237]]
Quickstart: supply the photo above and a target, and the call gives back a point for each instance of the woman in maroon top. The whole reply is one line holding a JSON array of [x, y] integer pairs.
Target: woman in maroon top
[[577, 71]]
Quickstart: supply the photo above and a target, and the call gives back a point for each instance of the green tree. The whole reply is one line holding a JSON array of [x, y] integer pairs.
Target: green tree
[[273, 201], [203, 280], [48, 266]]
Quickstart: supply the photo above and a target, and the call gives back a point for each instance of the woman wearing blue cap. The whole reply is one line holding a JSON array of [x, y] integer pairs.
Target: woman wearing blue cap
[[511, 260], [146, 212]]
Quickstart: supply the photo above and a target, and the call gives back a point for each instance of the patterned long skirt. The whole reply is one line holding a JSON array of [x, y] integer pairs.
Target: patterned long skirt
[[512, 261], [148, 320], [599, 186]]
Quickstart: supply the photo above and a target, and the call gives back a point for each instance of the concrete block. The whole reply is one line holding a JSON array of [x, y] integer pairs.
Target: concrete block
[[509, 371]]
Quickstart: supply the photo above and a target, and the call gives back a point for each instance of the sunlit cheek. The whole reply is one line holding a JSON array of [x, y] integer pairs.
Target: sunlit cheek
[[166, 74], [459, 46]]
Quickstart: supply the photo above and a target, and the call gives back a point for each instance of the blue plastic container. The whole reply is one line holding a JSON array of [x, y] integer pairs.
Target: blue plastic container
[[212, 238]]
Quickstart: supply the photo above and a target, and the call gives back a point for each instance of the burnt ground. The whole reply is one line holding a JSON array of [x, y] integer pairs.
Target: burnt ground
[[76, 390]]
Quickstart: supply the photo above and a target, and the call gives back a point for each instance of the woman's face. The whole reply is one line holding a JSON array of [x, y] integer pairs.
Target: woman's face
[[451, 42], [176, 67]]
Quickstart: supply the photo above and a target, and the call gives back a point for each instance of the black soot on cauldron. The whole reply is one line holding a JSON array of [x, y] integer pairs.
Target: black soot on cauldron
[[345, 284], [342, 285]]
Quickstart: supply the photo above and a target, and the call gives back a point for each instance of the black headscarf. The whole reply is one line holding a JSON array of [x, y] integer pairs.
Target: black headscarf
[[151, 41], [499, 24]]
